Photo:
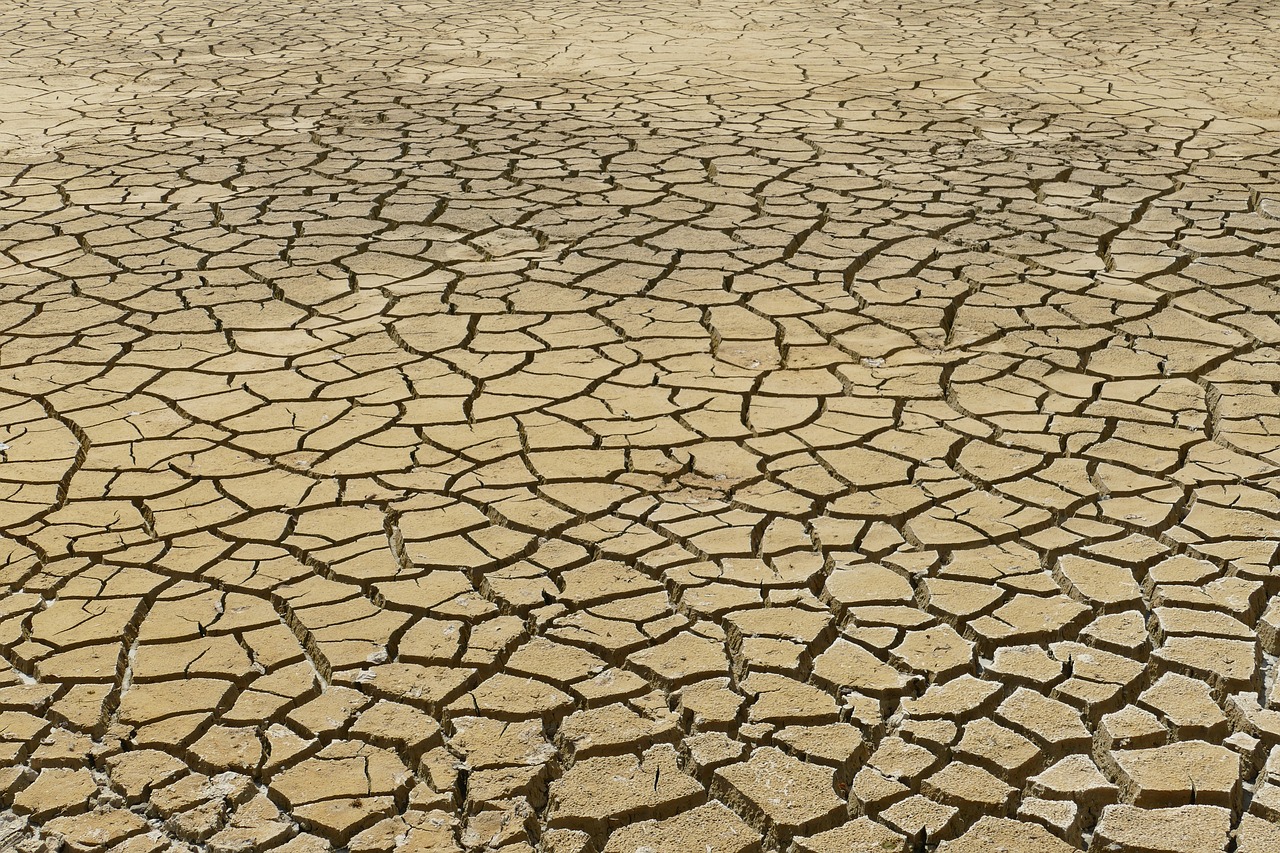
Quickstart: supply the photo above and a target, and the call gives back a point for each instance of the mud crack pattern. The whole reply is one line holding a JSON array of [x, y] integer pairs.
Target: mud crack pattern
[[639, 427]]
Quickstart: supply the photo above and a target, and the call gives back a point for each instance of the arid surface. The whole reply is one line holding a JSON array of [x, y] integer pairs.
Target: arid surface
[[665, 427]]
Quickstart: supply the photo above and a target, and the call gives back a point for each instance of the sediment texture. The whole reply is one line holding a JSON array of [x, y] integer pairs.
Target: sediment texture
[[600, 427]]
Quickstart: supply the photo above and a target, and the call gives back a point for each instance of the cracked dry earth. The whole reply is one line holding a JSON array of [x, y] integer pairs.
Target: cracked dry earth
[[665, 427]]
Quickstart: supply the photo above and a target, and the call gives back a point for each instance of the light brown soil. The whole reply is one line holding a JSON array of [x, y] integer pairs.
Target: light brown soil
[[690, 427]]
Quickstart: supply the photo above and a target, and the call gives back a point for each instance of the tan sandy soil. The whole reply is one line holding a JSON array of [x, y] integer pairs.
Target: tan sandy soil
[[770, 426]]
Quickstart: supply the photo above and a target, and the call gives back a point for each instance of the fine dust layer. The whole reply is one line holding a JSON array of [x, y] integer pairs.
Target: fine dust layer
[[738, 426]]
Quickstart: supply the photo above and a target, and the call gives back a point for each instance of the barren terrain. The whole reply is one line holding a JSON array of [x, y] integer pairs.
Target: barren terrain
[[639, 427]]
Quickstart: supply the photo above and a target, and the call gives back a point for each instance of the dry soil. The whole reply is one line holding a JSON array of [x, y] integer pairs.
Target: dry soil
[[639, 426]]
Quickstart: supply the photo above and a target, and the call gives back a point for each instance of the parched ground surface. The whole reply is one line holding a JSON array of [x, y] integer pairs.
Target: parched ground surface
[[640, 427]]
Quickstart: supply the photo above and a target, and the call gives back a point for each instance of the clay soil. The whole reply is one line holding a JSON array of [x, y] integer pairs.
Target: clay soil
[[708, 426]]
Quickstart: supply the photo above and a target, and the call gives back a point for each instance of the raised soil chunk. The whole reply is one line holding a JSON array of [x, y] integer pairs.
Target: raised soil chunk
[[614, 728], [710, 828], [1257, 835], [56, 791], [861, 835], [1102, 585], [1030, 619], [1130, 728], [992, 834], [484, 742], [509, 696], [937, 652], [97, 830], [598, 791], [683, 659], [786, 794], [1062, 817], [784, 701], [1228, 666], [1055, 725], [344, 769], [999, 749], [710, 704], [709, 750], [136, 773], [868, 583], [921, 818], [1269, 627], [846, 664], [1076, 779], [1178, 774], [873, 790], [957, 700], [1027, 665], [1186, 829], [1187, 707], [899, 759], [968, 788], [837, 744]]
